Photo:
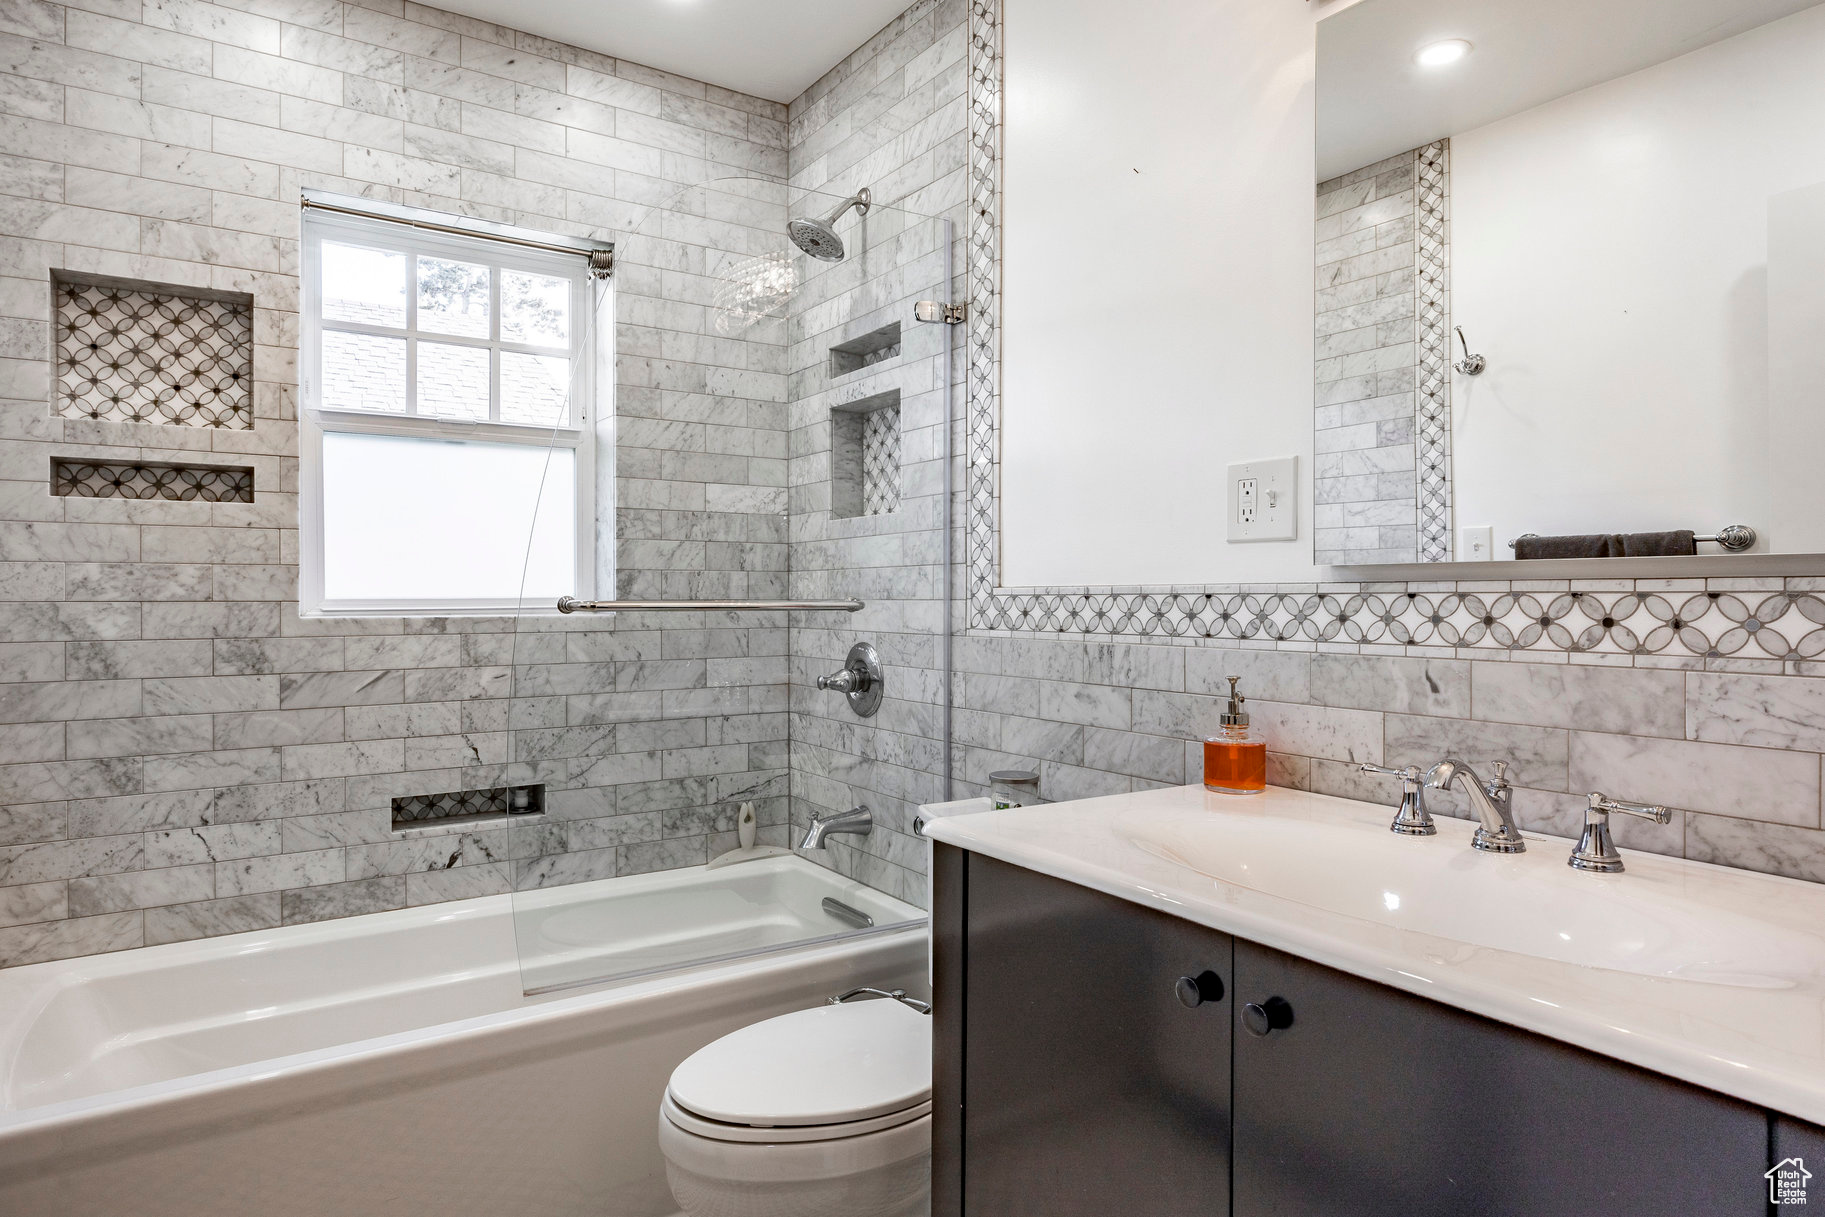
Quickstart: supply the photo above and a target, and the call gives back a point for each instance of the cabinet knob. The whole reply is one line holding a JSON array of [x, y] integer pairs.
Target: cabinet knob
[[1194, 991], [1274, 1014]]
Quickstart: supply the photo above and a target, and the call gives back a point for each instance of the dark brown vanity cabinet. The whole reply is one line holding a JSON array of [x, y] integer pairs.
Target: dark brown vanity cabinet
[[1094, 1081], [1095, 1058], [1373, 1101]]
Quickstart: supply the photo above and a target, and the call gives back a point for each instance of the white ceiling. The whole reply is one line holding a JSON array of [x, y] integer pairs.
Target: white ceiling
[[769, 48], [1374, 101]]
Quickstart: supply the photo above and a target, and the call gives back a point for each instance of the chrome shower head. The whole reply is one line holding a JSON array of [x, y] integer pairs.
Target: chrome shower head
[[818, 237]]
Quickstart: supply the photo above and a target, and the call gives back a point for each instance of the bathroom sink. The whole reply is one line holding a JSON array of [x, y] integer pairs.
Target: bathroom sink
[[1644, 921], [1708, 974]]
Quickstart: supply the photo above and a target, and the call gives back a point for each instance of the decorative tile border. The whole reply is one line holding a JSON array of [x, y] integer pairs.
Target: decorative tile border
[[178, 483], [1770, 625], [153, 353], [987, 609], [1432, 308], [1637, 618]]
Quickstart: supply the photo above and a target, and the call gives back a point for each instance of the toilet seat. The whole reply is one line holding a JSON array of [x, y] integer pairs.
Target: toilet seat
[[716, 1130], [812, 1075]]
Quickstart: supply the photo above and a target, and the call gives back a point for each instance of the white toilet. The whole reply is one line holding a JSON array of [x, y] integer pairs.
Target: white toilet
[[819, 1113]]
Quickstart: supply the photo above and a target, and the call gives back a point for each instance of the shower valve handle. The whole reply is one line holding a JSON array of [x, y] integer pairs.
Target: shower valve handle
[[861, 680], [849, 680]]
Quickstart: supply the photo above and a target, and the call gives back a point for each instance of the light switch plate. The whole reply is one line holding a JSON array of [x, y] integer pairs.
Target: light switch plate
[[1263, 500], [1476, 543]]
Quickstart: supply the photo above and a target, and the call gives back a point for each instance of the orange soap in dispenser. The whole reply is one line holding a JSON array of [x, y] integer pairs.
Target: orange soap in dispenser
[[1235, 758]]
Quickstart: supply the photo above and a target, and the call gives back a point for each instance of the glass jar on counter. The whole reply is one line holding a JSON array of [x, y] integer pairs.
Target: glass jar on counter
[[1014, 788]]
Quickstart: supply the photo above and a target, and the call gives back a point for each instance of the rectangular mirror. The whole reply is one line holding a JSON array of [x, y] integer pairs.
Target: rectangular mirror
[[1571, 279]]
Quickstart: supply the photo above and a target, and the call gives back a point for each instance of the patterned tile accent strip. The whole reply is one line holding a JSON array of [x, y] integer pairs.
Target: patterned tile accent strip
[[983, 266], [1779, 626], [466, 804], [1433, 288], [153, 353], [881, 461], [178, 483]]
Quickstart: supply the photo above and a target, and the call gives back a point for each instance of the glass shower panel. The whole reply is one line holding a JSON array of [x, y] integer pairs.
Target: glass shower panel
[[746, 390]]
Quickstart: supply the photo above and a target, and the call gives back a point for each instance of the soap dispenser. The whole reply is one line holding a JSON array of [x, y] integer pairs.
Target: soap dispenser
[[1235, 758]]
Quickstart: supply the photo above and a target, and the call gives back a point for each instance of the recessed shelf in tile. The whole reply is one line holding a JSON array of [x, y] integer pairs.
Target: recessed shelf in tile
[[138, 352], [134, 480], [865, 456], [871, 348], [461, 806]]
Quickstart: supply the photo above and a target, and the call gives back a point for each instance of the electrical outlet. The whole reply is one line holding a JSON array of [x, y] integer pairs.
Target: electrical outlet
[[1476, 543], [1261, 499]]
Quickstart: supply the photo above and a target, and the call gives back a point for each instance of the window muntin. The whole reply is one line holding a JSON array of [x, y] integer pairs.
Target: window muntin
[[437, 372]]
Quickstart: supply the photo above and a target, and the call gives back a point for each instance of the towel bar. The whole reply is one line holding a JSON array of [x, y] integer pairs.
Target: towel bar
[[570, 604], [1733, 537]]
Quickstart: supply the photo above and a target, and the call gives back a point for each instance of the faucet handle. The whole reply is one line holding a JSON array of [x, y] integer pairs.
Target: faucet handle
[[1595, 850], [1602, 803], [1500, 780], [1412, 820]]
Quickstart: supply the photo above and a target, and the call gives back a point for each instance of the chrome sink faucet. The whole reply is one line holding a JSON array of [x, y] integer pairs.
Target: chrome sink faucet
[[1595, 851], [1497, 833], [857, 820]]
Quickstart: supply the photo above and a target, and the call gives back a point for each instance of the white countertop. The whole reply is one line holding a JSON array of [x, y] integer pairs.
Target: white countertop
[[1704, 973]]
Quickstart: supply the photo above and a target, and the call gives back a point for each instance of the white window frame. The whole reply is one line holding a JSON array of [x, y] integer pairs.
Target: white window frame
[[588, 349]]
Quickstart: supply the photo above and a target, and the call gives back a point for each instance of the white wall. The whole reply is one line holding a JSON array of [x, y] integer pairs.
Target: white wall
[[1610, 258], [1796, 364], [1157, 309]]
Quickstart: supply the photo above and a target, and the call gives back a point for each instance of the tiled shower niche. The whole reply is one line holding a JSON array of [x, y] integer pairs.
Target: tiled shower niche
[[876, 346], [865, 456], [138, 352], [466, 806], [177, 483]]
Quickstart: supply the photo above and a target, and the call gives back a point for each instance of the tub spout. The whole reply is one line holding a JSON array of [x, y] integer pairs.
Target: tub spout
[[857, 820]]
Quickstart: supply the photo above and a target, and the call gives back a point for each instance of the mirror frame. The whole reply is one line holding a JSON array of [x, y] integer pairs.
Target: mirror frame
[[1266, 612]]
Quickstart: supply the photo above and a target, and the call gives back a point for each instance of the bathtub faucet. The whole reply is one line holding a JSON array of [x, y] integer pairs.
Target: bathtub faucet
[[857, 820]]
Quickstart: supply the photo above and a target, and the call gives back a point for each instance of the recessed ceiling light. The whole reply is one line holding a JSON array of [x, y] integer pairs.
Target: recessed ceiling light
[[1438, 54]]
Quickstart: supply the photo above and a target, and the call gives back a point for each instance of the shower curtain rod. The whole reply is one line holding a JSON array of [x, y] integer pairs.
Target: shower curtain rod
[[601, 258], [569, 604]]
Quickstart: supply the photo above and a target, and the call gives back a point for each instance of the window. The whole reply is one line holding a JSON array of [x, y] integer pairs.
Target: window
[[448, 450]]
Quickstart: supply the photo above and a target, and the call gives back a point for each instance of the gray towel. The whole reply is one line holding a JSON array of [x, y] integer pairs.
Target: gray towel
[[1675, 543], [1587, 545], [1608, 545]]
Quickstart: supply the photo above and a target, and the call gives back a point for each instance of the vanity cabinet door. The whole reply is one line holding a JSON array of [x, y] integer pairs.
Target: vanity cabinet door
[[1089, 1086], [1375, 1102]]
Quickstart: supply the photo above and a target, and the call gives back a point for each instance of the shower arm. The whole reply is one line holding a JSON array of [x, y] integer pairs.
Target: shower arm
[[861, 200], [570, 604]]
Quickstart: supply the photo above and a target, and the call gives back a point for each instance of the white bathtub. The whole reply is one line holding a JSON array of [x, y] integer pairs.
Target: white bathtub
[[390, 1064]]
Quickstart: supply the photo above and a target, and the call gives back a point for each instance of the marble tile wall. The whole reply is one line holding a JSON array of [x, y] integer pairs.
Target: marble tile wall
[[1364, 480], [890, 117], [180, 754], [1738, 753]]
